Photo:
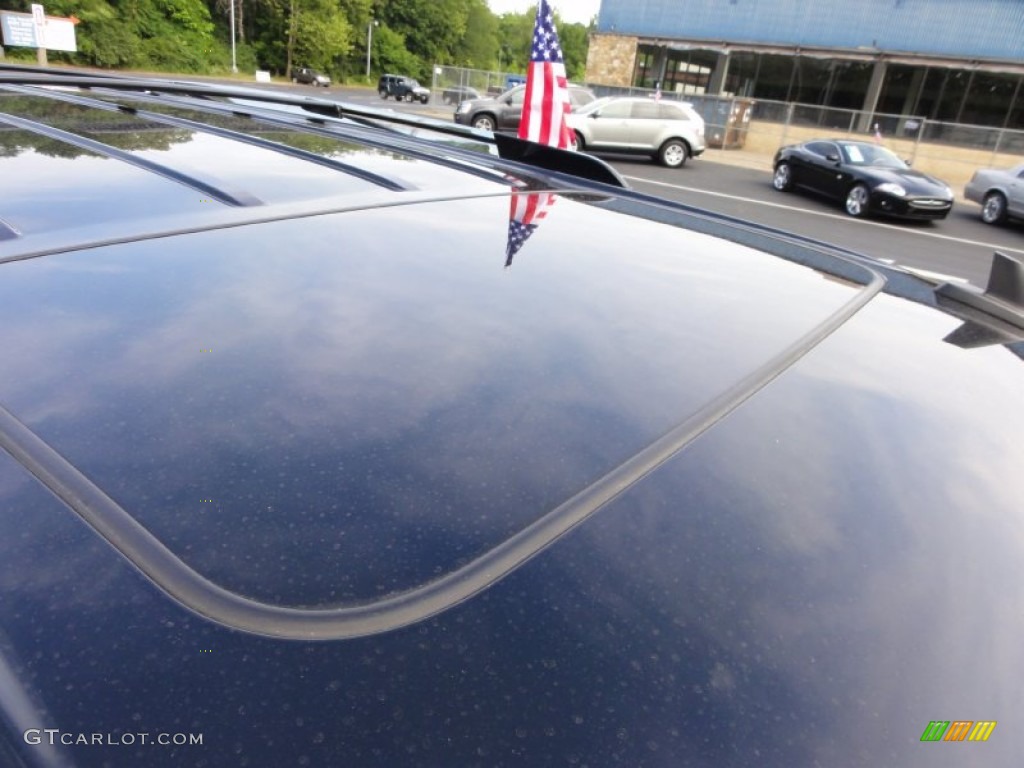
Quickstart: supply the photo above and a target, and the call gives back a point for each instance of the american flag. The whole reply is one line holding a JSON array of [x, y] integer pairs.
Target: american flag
[[525, 214], [547, 93]]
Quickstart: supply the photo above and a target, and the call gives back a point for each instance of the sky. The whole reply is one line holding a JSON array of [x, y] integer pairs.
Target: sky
[[572, 11]]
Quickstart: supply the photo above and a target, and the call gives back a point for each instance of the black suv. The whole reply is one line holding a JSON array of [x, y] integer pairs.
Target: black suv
[[309, 77], [503, 113], [401, 87], [324, 442]]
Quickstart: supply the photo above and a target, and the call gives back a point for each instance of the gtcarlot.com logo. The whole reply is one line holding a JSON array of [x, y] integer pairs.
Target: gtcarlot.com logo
[[958, 730], [55, 736]]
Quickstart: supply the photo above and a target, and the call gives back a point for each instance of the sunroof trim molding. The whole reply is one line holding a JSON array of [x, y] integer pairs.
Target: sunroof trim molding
[[197, 593]]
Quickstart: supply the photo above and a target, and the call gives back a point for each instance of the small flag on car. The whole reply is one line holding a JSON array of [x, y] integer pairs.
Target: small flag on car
[[547, 89], [544, 109], [525, 214]]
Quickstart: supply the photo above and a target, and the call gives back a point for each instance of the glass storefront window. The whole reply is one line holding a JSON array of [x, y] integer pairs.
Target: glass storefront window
[[773, 77], [988, 101], [742, 74], [646, 71], [896, 90]]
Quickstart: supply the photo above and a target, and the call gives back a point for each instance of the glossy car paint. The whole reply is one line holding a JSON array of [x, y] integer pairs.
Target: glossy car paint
[[310, 77], [638, 126], [455, 94], [824, 166], [402, 87], [999, 192], [504, 112], [331, 409]]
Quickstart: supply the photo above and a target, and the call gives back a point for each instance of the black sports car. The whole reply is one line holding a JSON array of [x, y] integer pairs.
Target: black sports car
[[868, 178]]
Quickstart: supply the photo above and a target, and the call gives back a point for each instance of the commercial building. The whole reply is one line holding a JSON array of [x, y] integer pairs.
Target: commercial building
[[958, 61]]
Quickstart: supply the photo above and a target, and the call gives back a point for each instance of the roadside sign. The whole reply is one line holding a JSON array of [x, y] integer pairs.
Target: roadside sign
[[18, 29], [23, 30]]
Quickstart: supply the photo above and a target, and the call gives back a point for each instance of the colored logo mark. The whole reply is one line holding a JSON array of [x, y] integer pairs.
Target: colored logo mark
[[958, 730], [206, 350]]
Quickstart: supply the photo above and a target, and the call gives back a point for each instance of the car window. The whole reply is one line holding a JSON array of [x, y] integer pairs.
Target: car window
[[579, 97], [593, 106], [869, 154], [823, 148], [616, 109], [518, 95], [672, 112], [645, 110]]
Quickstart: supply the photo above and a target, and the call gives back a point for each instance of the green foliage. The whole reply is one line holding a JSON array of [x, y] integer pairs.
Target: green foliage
[[432, 28], [321, 34], [478, 48], [573, 38], [190, 15], [390, 54], [330, 35], [515, 30]]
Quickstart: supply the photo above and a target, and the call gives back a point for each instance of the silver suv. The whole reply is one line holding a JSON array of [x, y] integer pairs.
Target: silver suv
[[670, 131]]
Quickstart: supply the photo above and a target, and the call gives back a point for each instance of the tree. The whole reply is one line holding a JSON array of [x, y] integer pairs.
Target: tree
[[515, 31], [575, 43], [479, 47], [432, 28], [322, 34], [391, 54]]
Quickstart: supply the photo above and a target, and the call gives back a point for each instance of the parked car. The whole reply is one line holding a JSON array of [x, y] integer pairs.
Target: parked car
[[669, 131], [1000, 192], [325, 444], [402, 87], [866, 177], [309, 77], [503, 112], [454, 94]]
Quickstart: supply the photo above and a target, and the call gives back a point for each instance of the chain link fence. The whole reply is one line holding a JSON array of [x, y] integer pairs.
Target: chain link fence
[[951, 151], [451, 85], [758, 127]]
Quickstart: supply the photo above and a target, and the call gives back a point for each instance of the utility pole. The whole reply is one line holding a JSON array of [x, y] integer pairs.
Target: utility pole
[[369, 43]]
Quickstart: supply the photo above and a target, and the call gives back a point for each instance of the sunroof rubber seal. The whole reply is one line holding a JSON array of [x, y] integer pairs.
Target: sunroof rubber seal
[[197, 593]]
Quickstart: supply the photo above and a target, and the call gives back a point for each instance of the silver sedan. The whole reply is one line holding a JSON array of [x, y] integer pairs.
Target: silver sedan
[[1000, 192]]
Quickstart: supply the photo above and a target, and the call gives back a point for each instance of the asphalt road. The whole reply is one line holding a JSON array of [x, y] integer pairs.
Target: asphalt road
[[961, 246]]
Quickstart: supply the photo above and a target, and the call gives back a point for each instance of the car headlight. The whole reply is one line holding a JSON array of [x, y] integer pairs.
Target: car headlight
[[891, 188], [464, 107]]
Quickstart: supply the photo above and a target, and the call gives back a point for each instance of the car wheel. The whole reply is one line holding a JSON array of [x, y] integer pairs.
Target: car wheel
[[484, 122], [857, 200], [993, 208], [783, 178], [409, 97], [383, 95], [295, 80], [424, 99], [673, 153], [580, 143]]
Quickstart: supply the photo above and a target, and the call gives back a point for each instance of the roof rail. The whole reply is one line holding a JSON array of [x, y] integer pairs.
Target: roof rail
[[573, 164]]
